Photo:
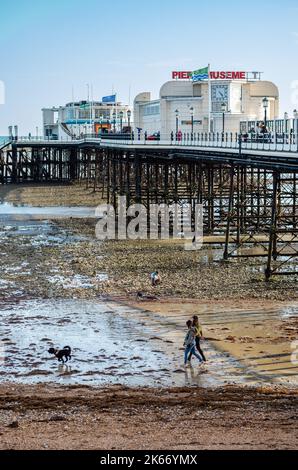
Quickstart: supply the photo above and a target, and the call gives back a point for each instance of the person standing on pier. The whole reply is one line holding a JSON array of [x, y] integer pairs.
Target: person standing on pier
[[199, 336]]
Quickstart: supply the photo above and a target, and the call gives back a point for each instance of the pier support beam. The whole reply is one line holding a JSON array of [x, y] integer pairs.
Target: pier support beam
[[230, 214], [273, 226]]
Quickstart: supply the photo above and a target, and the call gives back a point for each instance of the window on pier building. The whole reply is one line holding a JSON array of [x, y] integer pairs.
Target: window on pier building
[[151, 109], [102, 114], [84, 113]]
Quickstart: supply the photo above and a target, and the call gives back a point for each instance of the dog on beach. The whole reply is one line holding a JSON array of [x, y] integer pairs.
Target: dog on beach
[[63, 355]]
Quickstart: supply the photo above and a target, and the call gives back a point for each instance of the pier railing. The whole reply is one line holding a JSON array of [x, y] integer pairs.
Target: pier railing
[[4, 142], [273, 142]]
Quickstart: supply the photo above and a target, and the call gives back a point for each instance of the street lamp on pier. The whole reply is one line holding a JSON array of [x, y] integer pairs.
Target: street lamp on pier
[[286, 117], [121, 114], [114, 121], [295, 113], [223, 108], [192, 121], [177, 121], [129, 118], [265, 106], [100, 120]]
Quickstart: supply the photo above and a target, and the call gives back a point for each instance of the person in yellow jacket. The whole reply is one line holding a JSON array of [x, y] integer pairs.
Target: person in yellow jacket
[[199, 336]]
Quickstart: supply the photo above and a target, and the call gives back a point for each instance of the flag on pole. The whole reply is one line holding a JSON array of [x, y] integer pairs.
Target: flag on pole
[[109, 99], [201, 74]]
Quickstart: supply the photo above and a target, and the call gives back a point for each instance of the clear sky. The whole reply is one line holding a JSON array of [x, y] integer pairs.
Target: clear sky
[[49, 47]]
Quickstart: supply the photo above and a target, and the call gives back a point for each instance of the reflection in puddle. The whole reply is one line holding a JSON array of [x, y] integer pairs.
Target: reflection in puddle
[[111, 344], [108, 347], [45, 212], [255, 340]]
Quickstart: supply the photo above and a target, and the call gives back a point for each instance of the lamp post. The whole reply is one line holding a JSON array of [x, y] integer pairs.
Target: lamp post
[[265, 106], [192, 122], [114, 121], [295, 113], [223, 108], [100, 120], [286, 117], [177, 122], [121, 120], [129, 117]]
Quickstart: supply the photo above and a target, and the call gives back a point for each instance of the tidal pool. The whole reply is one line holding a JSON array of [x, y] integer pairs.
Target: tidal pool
[[112, 344], [46, 212]]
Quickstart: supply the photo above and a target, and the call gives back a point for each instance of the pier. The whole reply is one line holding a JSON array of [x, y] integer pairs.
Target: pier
[[248, 190]]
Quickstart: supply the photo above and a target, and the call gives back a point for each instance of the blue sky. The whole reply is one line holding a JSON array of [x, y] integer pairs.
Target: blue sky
[[48, 47]]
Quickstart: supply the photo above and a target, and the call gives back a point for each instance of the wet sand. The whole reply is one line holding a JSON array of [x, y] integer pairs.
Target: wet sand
[[140, 356], [39, 195], [44, 417], [249, 326], [191, 275], [150, 351], [260, 336], [61, 259]]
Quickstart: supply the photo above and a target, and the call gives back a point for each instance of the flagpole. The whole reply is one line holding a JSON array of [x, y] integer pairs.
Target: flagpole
[[92, 110], [116, 109], [209, 100], [73, 110]]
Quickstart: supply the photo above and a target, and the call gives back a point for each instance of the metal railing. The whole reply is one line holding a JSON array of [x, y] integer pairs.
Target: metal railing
[[4, 142], [271, 142]]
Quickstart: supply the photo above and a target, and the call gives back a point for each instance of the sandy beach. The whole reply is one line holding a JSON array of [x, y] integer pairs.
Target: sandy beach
[[120, 418], [58, 280]]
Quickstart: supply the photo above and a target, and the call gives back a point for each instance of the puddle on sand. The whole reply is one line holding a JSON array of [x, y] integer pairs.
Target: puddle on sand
[[36, 233], [112, 344], [32, 225], [29, 221], [107, 348], [8, 209]]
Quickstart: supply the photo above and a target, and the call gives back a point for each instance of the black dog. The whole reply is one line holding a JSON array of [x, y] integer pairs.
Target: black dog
[[61, 353]]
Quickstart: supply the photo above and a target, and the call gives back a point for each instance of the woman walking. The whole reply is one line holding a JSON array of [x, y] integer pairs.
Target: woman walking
[[190, 343], [199, 336]]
